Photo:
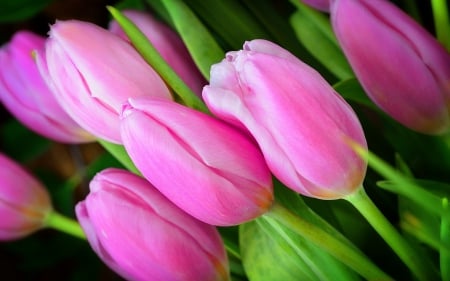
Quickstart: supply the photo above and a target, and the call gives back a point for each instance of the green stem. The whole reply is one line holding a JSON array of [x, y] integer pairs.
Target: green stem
[[345, 252], [64, 224], [407, 254], [444, 255], [441, 22]]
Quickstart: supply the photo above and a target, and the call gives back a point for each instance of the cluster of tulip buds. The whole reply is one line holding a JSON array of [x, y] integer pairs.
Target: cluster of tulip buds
[[270, 115]]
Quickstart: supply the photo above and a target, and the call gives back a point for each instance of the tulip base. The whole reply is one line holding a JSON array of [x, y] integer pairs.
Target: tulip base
[[361, 201], [64, 224], [331, 242]]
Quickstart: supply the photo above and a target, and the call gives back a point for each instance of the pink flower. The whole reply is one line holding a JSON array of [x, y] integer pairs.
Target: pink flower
[[93, 72], [168, 44], [403, 69], [25, 94], [24, 202], [300, 123], [141, 235], [207, 168]]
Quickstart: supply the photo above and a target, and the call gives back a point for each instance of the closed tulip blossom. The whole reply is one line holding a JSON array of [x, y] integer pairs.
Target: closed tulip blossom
[[206, 167], [141, 235], [300, 123], [24, 201], [402, 67], [26, 95], [168, 44], [93, 72]]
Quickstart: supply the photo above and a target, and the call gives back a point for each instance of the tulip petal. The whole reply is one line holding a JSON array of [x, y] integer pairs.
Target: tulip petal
[[300, 123], [214, 179]]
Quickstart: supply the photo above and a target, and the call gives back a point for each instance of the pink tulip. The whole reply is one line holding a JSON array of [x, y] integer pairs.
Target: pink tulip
[[25, 94], [300, 123], [207, 168], [93, 72], [24, 202], [141, 235], [168, 44], [403, 69]]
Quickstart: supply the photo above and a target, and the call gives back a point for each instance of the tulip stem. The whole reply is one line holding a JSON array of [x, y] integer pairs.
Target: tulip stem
[[335, 245], [64, 224], [441, 22], [361, 201]]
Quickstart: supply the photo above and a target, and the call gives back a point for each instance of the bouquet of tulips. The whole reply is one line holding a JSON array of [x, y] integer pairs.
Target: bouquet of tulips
[[238, 140]]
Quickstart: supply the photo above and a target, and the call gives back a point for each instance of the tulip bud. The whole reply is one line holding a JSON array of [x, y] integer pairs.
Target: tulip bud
[[141, 235], [168, 44], [300, 123], [93, 72], [24, 202], [403, 69], [207, 168], [25, 94]]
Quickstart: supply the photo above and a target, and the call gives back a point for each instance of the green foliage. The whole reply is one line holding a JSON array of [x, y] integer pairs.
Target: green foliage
[[314, 31], [17, 10], [201, 45]]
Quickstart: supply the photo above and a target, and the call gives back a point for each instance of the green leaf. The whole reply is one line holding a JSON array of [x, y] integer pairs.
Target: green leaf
[[18, 10], [230, 20], [415, 191], [402, 184], [427, 156], [152, 57], [261, 249], [441, 22], [444, 254], [314, 31], [130, 4], [420, 223], [351, 90], [299, 218], [201, 44], [273, 18]]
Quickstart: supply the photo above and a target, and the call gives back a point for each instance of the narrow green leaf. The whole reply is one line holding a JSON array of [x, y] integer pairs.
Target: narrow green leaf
[[152, 56], [441, 21], [314, 31], [444, 254], [420, 223], [401, 184], [230, 20], [351, 90], [327, 239], [261, 248], [412, 190], [201, 44], [273, 18], [130, 4]]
